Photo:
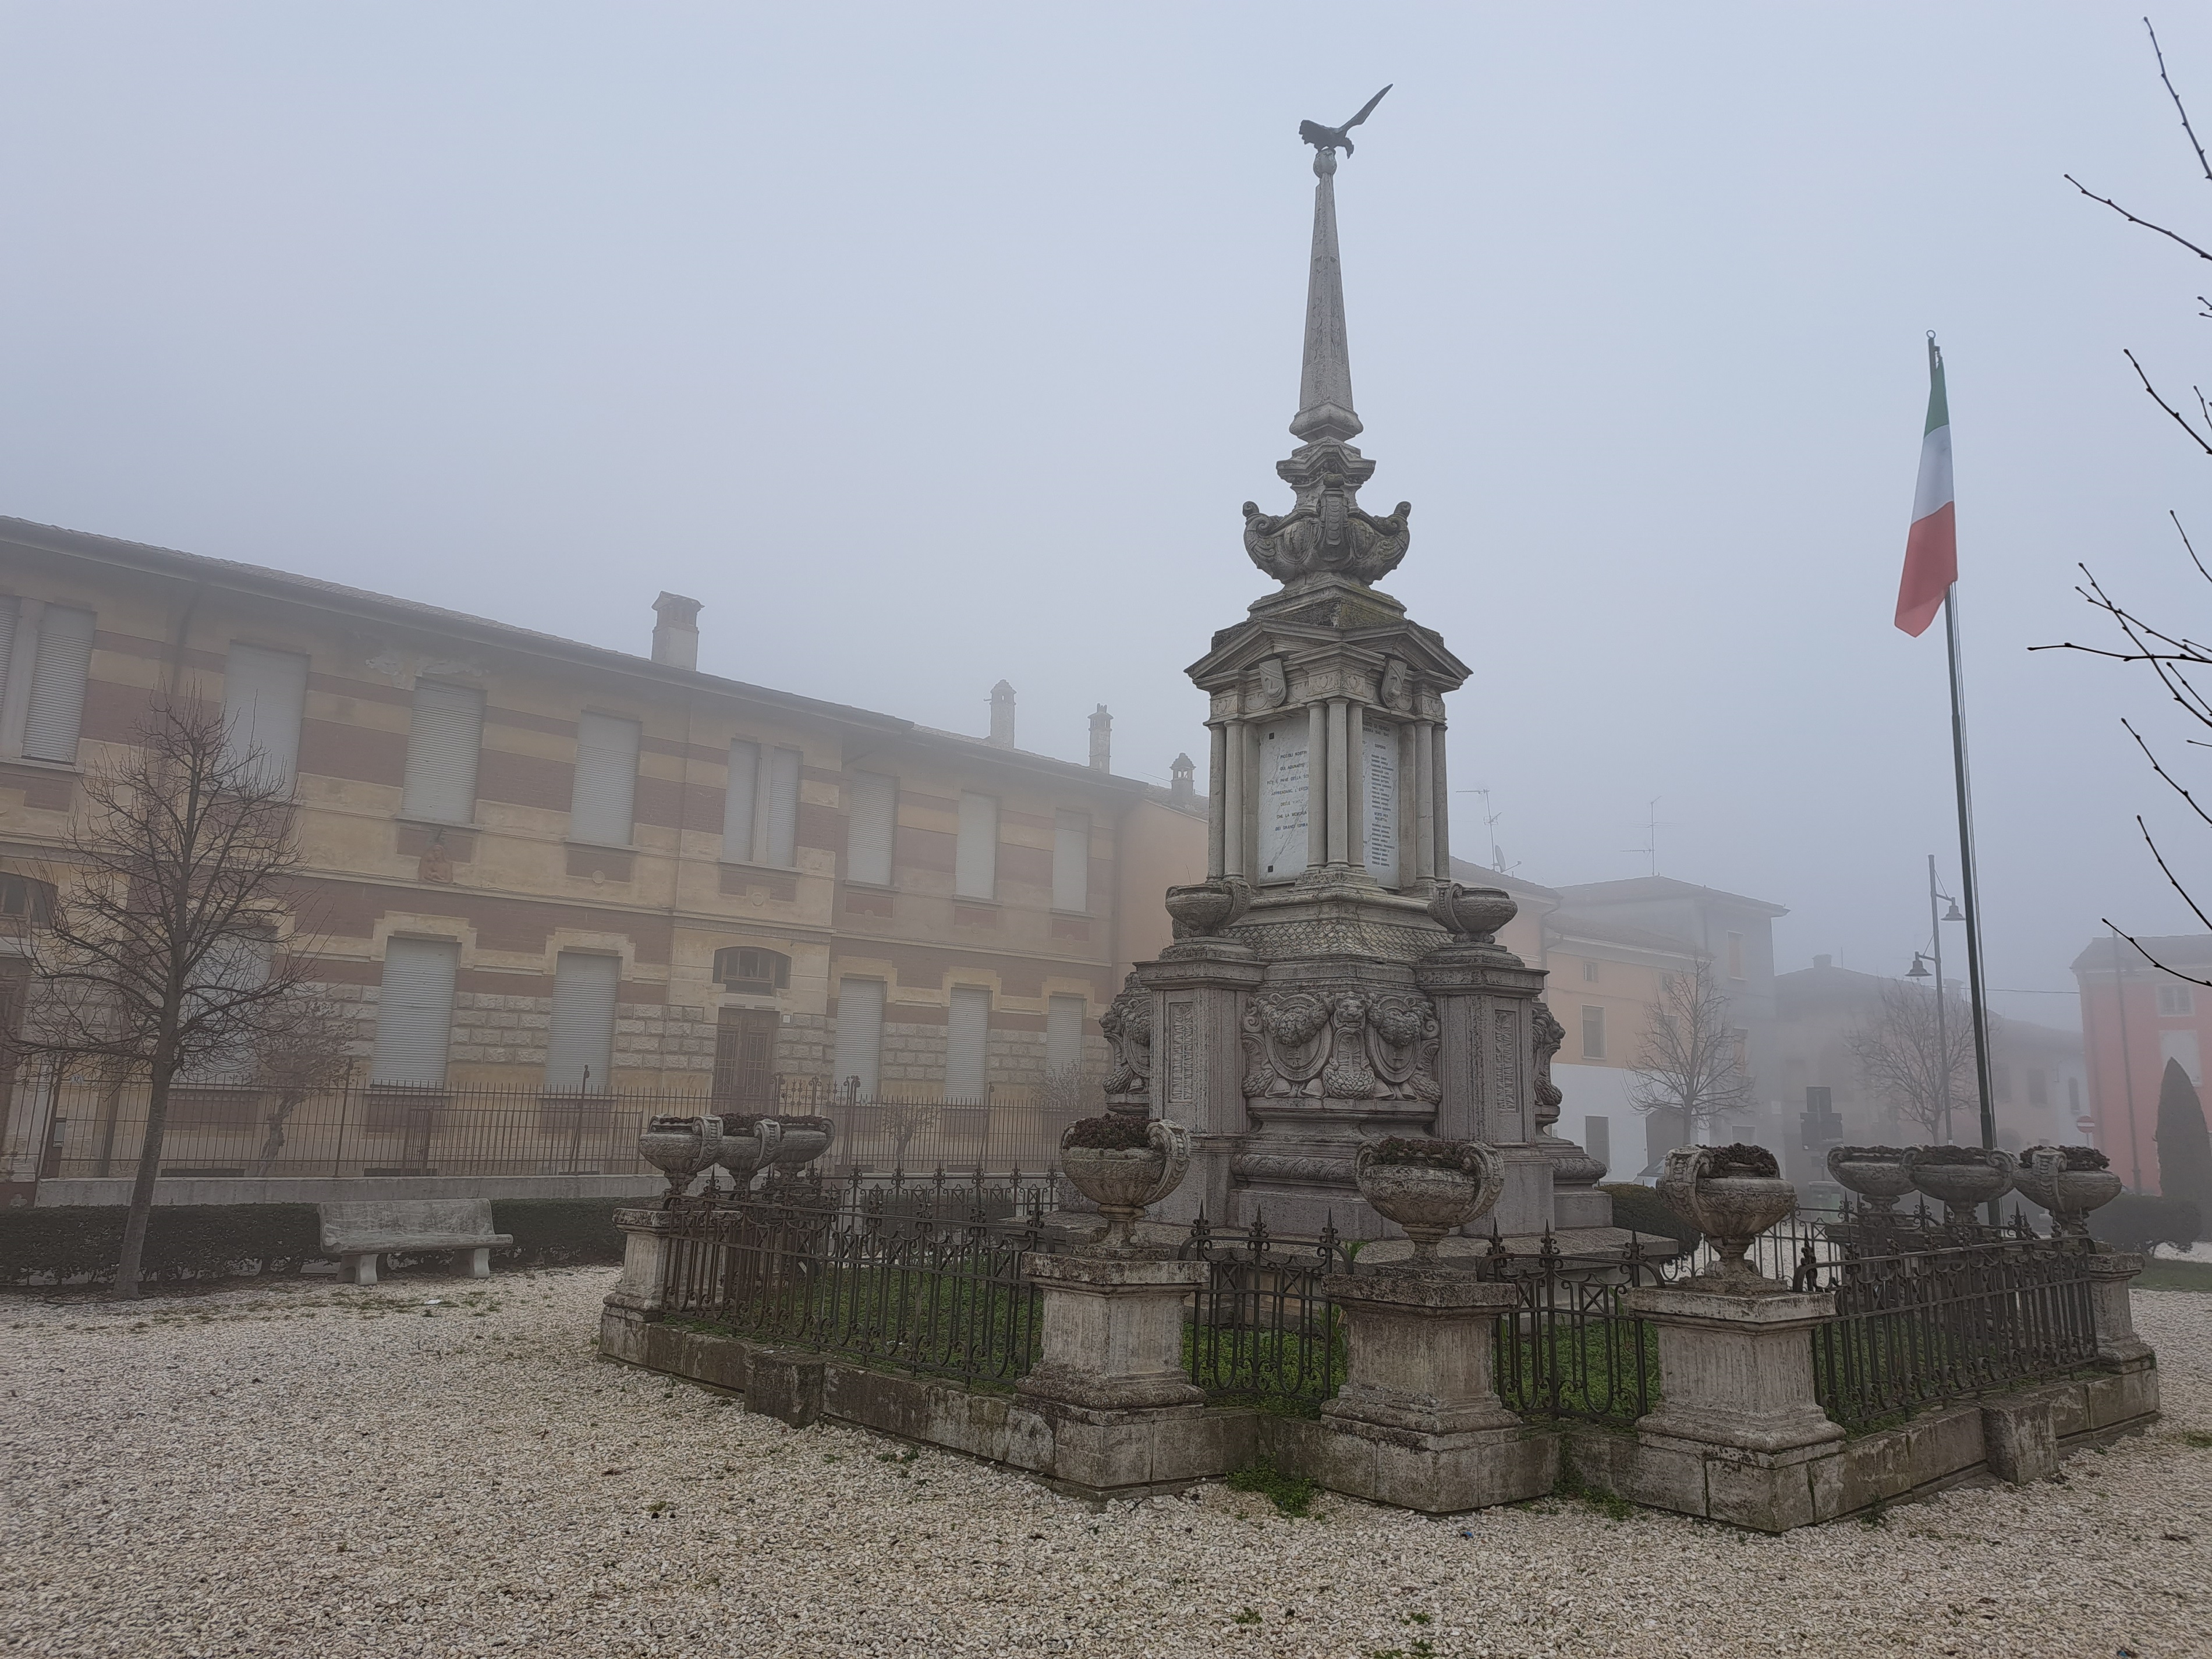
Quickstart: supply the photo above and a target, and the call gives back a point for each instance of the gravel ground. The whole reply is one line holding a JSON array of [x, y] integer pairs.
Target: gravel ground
[[307, 1469]]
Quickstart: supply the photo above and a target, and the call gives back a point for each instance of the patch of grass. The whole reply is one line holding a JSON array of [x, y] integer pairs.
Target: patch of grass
[[2198, 1438], [2159, 1275], [1249, 1616], [1290, 1494], [1571, 1484]]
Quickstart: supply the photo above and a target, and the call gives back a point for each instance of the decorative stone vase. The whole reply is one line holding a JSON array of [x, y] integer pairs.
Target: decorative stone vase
[[1208, 908], [1409, 1182], [1876, 1174], [801, 1140], [679, 1147], [1475, 913], [748, 1147], [1731, 1195], [1964, 1177], [2069, 1181], [1122, 1180]]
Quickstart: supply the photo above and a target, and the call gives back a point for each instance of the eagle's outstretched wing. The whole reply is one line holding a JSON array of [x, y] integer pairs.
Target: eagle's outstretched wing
[[1366, 110]]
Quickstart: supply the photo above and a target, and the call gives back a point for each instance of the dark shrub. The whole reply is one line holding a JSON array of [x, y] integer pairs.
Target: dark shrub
[[1429, 1154], [2139, 1221], [1950, 1155], [1739, 1159], [1111, 1133]]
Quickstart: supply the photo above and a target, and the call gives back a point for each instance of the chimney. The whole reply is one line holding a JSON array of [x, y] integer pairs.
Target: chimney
[[1824, 961], [1002, 715], [1181, 788], [676, 631], [1102, 740]]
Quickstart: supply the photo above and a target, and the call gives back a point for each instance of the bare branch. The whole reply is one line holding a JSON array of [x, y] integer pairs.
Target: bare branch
[[2179, 109], [2161, 967], [2131, 218], [2180, 419]]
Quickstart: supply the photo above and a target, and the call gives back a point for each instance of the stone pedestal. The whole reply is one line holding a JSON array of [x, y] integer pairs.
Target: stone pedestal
[[1198, 989], [1417, 1421], [640, 1297], [1112, 1329], [1738, 1425], [1486, 1001], [2111, 1273]]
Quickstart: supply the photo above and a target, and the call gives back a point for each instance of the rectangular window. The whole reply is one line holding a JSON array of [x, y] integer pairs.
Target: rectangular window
[[58, 684], [443, 737], [1735, 956], [265, 694], [869, 828], [579, 1050], [1071, 862], [1063, 1035], [745, 1060], [967, 1044], [1590, 973], [860, 1055], [2175, 1001], [976, 859], [601, 804], [1593, 1032], [783, 807], [2001, 1083], [2180, 1045], [415, 1013], [738, 802], [2039, 1087], [10, 610]]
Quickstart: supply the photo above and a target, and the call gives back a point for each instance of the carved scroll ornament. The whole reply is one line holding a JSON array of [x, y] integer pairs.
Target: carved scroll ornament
[[1328, 532], [1341, 1045], [1126, 1025]]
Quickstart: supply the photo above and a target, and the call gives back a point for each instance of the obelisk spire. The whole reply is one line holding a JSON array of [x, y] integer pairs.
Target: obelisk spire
[[1325, 409], [1325, 379]]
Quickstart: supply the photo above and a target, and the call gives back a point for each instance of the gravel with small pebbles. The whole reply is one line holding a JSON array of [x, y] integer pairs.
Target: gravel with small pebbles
[[443, 1467]]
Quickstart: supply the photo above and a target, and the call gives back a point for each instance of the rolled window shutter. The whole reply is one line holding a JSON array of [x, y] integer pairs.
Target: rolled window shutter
[[738, 804], [783, 807], [415, 1013], [442, 740], [599, 807], [1063, 1035], [58, 683], [235, 965], [1071, 862], [583, 1035], [967, 1043], [264, 694], [859, 1034], [975, 860], [868, 830]]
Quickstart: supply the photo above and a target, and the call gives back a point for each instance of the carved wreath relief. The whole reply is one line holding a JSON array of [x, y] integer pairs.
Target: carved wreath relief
[[1341, 1045]]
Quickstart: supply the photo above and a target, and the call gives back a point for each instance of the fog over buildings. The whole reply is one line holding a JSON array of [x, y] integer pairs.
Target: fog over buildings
[[933, 349]]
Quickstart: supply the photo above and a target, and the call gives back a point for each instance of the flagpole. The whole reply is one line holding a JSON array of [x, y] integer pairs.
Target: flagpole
[[1970, 880]]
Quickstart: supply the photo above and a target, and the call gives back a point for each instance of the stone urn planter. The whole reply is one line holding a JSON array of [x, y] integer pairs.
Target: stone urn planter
[[1122, 1164], [1473, 913], [1964, 1177], [2069, 1181], [749, 1146], [1205, 909], [1731, 1195], [800, 1141], [1429, 1187], [679, 1147], [1876, 1174]]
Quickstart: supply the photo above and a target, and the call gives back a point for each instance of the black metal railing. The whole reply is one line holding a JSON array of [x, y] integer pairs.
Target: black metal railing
[[1919, 1328], [1572, 1349], [914, 1279], [1262, 1333]]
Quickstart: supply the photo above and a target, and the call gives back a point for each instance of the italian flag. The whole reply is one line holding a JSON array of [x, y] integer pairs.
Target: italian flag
[[1931, 546]]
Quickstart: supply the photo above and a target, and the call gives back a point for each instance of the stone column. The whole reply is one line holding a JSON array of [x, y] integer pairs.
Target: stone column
[[1739, 1436], [1423, 813], [1199, 990], [640, 1297], [1440, 819], [1318, 770], [1339, 786], [1110, 1389], [1221, 802], [1355, 791], [1417, 1421], [1229, 809]]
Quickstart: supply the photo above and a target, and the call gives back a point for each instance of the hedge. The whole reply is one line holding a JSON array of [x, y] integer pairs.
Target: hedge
[[77, 1245]]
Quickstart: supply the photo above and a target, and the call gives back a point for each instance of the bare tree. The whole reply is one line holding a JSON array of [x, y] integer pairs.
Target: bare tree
[[165, 955], [1922, 1065], [1692, 1060], [2174, 657]]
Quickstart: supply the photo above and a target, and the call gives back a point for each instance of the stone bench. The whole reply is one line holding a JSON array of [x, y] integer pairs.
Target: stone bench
[[358, 1233]]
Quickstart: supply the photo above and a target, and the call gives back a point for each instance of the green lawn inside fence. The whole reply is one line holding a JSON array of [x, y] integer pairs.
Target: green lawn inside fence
[[1587, 1370], [1286, 1373]]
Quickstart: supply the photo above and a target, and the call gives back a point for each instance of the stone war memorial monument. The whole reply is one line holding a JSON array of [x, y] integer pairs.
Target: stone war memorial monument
[[1335, 1038], [1330, 984]]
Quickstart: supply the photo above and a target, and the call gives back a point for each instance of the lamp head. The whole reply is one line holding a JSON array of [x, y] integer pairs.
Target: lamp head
[[1919, 969]]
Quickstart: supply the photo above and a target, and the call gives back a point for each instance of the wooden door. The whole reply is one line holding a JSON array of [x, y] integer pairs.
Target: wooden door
[[745, 1060]]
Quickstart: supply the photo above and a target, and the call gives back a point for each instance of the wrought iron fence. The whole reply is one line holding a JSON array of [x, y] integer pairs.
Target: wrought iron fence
[[912, 1278], [1916, 1327], [1572, 1349], [1262, 1333]]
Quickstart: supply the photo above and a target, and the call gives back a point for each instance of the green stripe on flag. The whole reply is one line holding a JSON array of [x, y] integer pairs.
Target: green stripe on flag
[[1939, 407]]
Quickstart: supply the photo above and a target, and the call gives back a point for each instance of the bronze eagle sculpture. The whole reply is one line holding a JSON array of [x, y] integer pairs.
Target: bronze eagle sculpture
[[1321, 138]]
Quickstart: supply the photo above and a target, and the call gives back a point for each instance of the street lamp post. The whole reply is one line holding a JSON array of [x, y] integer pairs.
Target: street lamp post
[[1936, 921]]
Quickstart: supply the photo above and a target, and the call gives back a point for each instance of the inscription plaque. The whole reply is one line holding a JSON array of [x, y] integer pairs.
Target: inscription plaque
[[1182, 1053], [1382, 837], [1283, 799]]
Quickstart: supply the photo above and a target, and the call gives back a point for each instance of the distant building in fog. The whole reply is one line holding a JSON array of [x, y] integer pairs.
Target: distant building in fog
[[2135, 1017]]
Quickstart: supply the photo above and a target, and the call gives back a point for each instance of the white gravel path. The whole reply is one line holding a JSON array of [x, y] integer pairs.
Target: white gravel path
[[305, 1469]]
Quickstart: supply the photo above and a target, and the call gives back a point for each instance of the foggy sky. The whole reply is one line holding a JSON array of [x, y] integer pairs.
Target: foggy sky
[[931, 345]]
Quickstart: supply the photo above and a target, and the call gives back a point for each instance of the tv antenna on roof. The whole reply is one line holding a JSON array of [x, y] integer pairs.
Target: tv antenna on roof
[[1490, 829], [1650, 848]]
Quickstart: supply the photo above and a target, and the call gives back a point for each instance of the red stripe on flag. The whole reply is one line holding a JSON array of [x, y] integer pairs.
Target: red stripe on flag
[[1931, 565]]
